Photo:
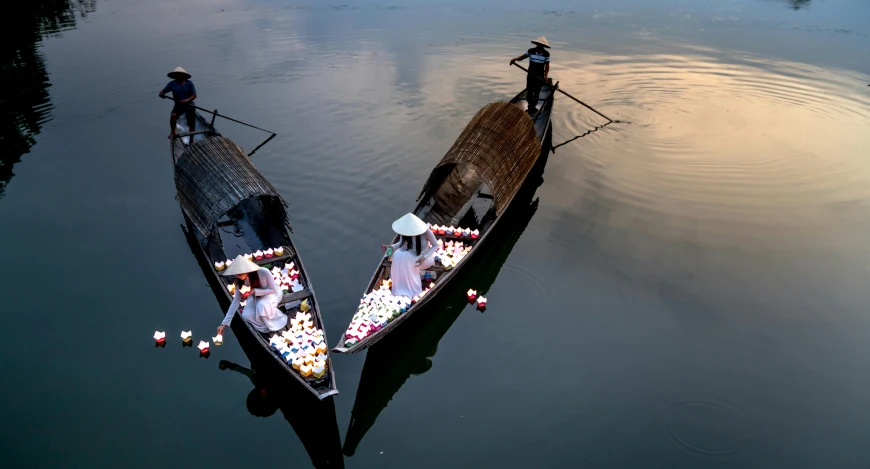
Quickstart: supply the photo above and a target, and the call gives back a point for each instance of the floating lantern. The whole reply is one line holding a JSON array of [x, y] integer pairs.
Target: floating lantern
[[269, 252], [218, 340], [475, 234], [297, 363], [258, 255], [481, 303], [249, 256], [472, 295], [321, 357], [160, 337], [186, 336], [245, 290], [219, 266], [231, 288], [318, 370], [279, 251], [203, 346], [449, 231], [306, 370], [228, 262]]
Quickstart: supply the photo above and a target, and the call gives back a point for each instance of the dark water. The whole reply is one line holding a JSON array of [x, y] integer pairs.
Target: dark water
[[688, 290]]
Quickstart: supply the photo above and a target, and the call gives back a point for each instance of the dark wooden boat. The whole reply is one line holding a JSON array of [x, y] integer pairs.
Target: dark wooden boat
[[390, 363], [471, 187], [231, 209]]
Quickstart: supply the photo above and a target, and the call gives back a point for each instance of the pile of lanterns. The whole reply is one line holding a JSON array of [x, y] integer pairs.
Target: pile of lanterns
[[451, 252], [287, 279], [302, 346], [376, 310], [258, 255], [455, 232]]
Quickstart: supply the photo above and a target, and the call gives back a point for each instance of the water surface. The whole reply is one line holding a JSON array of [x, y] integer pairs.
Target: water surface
[[688, 289]]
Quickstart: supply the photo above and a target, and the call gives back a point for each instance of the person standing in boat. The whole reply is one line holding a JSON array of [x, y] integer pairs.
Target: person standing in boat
[[262, 297], [415, 252], [183, 93], [539, 67]]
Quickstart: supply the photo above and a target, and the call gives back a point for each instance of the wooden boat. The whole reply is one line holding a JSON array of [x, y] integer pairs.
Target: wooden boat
[[471, 187], [231, 209], [392, 361]]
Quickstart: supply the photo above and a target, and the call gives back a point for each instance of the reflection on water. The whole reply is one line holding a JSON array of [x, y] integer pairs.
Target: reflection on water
[[397, 357], [24, 103]]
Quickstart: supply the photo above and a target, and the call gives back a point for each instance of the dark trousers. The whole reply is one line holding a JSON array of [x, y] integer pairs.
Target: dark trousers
[[187, 111], [533, 89]]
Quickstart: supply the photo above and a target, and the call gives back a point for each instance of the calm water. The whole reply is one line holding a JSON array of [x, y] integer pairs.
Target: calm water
[[687, 290]]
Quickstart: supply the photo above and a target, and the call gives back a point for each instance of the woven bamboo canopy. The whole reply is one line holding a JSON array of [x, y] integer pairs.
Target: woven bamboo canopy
[[501, 144], [212, 176]]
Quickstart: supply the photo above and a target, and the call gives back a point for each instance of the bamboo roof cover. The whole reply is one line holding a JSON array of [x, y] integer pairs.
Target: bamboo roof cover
[[501, 142], [212, 176]]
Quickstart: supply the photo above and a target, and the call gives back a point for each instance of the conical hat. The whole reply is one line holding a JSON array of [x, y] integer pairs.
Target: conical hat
[[178, 71], [410, 225], [240, 265], [542, 41]]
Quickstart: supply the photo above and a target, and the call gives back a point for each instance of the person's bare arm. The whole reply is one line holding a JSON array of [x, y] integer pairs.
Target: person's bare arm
[[185, 101], [546, 69], [518, 58]]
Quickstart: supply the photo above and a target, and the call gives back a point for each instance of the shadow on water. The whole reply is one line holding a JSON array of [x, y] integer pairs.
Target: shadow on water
[[397, 357], [25, 104], [313, 421]]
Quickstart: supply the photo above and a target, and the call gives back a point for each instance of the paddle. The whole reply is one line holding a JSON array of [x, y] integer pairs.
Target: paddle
[[215, 113], [566, 94]]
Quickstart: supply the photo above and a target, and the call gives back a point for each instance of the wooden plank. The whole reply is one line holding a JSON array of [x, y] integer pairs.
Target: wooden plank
[[295, 296]]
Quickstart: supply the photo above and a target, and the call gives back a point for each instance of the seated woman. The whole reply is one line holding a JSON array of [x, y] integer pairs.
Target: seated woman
[[409, 256], [261, 309]]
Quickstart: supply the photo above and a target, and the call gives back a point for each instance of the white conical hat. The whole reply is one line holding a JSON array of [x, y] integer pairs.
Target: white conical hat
[[178, 70], [541, 40], [241, 265], [410, 225]]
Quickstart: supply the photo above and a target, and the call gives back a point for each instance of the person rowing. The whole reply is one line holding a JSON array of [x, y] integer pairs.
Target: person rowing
[[261, 297], [183, 93], [414, 253], [539, 67]]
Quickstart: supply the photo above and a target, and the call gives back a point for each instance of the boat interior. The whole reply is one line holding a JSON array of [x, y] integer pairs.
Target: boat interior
[[249, 227]]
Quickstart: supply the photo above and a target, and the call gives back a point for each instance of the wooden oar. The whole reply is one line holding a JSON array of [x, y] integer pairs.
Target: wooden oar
[[215, 113], [566, 94]]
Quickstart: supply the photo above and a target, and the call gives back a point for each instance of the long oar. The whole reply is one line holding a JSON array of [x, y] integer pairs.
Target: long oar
[[215, 113], [566, 94]]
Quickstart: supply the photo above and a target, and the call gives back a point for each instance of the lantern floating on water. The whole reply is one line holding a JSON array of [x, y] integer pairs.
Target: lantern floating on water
[[219, 266], [279, 251], [186, 336], [203, 346], [218, 340], [160, 337], [269, 252], [472, 295], [481, 303]]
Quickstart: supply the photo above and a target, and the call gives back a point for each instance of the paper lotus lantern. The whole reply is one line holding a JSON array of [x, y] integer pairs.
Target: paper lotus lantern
[[245, 289], [472, 295], [297, 362], [481, 303], [279, 251], [306, 370], [249, 256], [269, 252], [228, 262], [231, 288], [475, 234], [318, 370], [218, 340], [203, 346], [219, 266], [258, 255], [159, 336], [186, 336]]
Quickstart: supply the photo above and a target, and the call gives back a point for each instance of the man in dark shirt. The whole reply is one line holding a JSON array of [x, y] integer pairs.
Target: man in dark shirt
[[183, 93], [539, 67]]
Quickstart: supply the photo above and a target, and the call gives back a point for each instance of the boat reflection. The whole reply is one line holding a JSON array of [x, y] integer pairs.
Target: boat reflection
[[397, 357], [313, 420]]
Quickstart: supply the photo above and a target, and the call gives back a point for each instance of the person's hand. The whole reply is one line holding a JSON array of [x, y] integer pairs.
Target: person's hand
[[513, 61], [220, 329], [162, 94], [418, 262], [224, 364], [383, 248]]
